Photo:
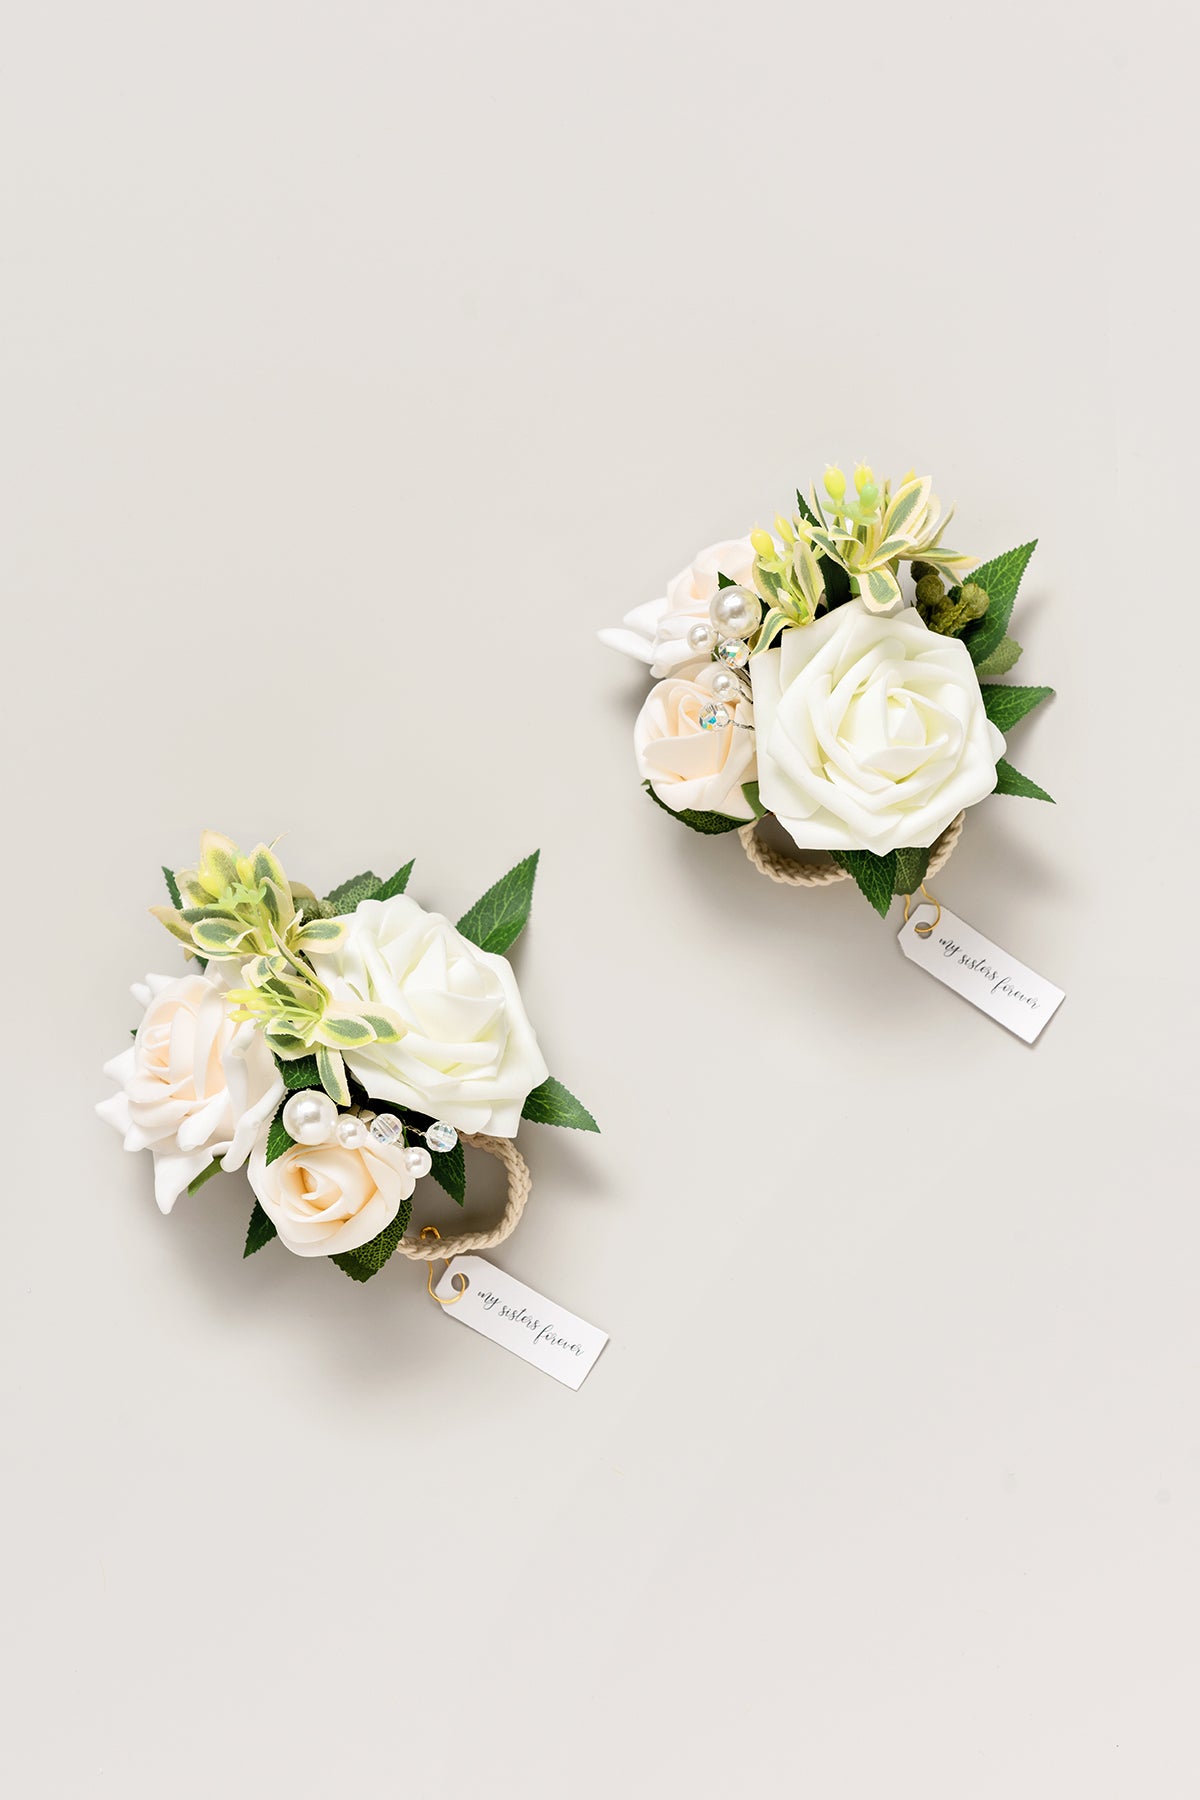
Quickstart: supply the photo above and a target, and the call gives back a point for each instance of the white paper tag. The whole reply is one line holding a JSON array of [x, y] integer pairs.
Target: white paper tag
[[526, 1323], [961, 957]]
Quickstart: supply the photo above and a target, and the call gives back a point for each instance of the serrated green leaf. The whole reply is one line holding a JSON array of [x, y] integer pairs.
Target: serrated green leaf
[[912, 866], [366, 1261], [1003, 658], [1000, 580], [753, 799], [347, 895], [498, 918], [710, 823], [1011, 781], [260, 1231], [450, 1171], [837, 583], [723, 581], [1005, 704], [875, 875], [172, 888], [198, 1181], [279, 1138], [395, 884], [299, 1074], [553, 1104]]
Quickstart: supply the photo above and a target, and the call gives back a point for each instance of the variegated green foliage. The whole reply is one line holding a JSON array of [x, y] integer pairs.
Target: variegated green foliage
[[244, 907], [865, 539], [235, 905]]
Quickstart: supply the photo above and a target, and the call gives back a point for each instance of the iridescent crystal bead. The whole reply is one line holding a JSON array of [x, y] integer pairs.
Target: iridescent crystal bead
[[714, 717], [734, 652], [386, 1128], [441, 1137]]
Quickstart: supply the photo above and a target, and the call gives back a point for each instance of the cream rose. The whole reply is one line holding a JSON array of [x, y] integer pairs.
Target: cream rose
[[656, 632], [692, 769], [871, 731], [468, 1053], [323, 1200], [194, 1085]]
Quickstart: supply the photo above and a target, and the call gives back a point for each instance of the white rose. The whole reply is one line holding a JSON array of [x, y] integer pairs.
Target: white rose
[[871, 731], [194, 1085], [324, 1200], [468, 1053], [656, 632], [689, 768]]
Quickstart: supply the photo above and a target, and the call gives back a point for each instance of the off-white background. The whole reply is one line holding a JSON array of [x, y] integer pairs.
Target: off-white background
[[358, 362]]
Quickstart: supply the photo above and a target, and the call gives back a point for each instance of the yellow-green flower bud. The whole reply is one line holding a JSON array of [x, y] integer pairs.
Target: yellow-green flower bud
[[973, 600], [864, 477], [835, 482], [784, 528], [763, 542]]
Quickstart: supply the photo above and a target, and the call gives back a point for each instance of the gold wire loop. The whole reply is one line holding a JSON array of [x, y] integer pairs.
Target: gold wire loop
[[432, 1231], [924, 930]]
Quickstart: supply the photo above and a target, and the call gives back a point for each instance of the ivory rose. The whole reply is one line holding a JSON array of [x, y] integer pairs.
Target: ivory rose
[[872, 733], [324, 1200], [689, 768], [656, 632], [194, 1085], [467, 1053]]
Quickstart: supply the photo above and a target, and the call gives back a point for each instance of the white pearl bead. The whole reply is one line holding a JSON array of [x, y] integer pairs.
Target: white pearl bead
[[700, 637], [724, 686], [350, 1132], [735, 611], [419, 1161], [309, 1117]]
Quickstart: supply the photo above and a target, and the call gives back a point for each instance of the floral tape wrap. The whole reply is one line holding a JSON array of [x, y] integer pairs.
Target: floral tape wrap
[[795, 873], [519, 1183]]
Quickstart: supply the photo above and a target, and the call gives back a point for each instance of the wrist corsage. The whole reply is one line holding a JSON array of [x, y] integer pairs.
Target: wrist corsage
[[839, 675], [339, 1049]]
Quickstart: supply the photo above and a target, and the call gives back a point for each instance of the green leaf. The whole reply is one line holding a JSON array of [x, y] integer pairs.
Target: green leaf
[[259, 1232], [395, 884], [753, 799], [875, 875], [366, 1261], [1011, 781], [347, 1033], [299, 1074], [711, 823], [498, 919], [805, 510], [912, 865], [723, 581], [837, 583], [1005, 704], [450, 1171], [332, 1071], [1000, 580], [198, 1181], [279, 1138], [172, 888], [553, 1104], [346, 896], [218, 935], [1002, 659]]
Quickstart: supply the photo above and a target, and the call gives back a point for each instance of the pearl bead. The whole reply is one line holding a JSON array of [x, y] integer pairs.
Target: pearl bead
[[441, 1137], [419, 1161], [735, 611], [309, 1117], [386, 1128], [700, 637], [725, 686], [350, 1132]]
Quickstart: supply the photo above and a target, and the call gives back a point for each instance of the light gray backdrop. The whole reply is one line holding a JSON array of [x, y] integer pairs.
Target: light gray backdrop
[[359, 361]]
